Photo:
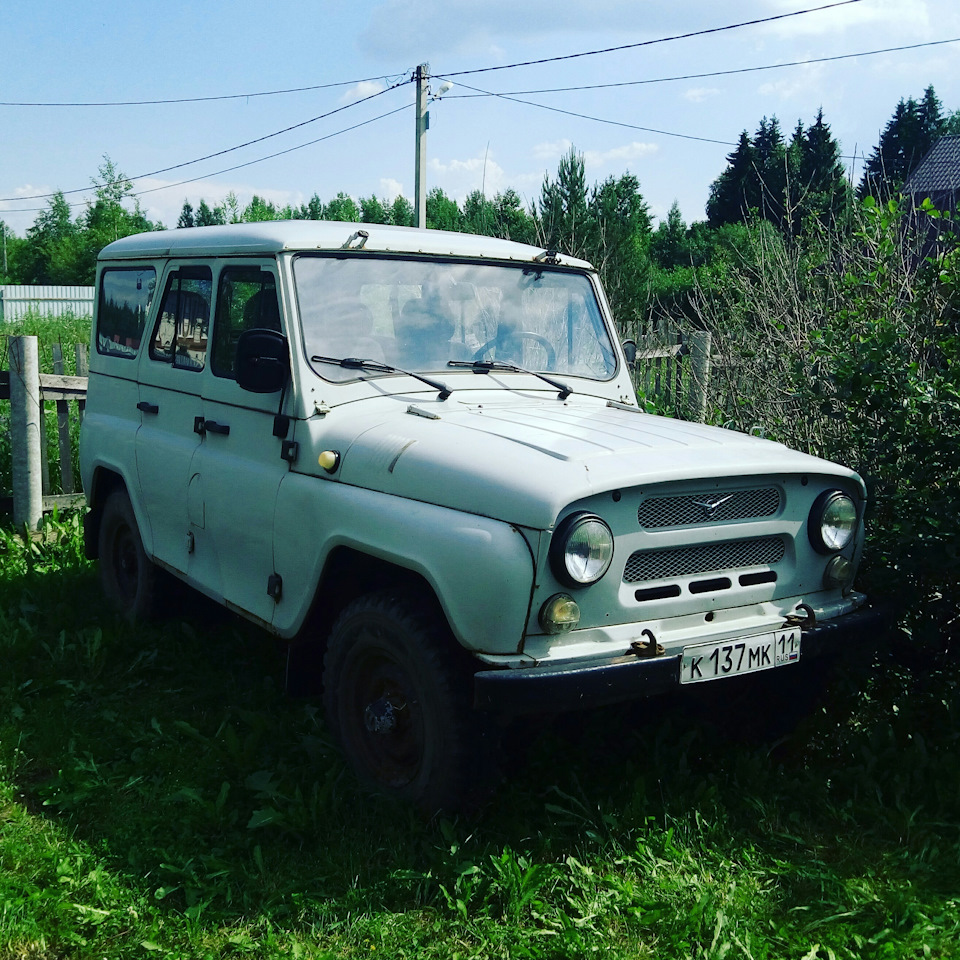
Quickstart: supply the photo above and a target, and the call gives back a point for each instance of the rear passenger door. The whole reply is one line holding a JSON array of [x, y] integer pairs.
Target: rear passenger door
[[171, 373], [239, 460]]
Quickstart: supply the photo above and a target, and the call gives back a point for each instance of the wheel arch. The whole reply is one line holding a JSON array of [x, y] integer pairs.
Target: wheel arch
[[348, 573]]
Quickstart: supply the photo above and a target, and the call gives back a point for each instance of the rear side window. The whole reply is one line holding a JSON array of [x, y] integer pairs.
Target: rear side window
[[180, 334], [124, 301], [246, 300]]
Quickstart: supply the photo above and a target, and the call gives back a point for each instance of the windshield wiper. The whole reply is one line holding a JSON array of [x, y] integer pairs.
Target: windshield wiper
[[377, 366], [485, 366]]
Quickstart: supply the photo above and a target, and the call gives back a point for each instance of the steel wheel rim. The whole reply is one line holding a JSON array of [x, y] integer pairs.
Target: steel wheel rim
[[374, 675]]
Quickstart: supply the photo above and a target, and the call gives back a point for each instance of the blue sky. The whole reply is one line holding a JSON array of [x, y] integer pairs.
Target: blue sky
[[101, 50]]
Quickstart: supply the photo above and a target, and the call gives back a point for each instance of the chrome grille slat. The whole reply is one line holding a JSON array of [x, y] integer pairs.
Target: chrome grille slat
[[688, 509], [644, 565]]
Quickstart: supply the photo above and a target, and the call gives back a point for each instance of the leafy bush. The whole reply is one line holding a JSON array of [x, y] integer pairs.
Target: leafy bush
[[846, 345]]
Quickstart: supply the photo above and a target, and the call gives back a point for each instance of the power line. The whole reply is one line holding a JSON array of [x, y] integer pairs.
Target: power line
[[392, 82], [695, 76], [279, 153], [230, 96], [211, 156], [248, 163], [585, 116], [649, 43]]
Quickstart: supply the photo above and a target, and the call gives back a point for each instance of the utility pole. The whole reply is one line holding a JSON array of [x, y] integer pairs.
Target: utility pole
[[421, 75]]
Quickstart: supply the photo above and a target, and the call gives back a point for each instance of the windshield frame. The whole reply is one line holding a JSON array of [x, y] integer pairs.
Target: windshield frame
[[595, 319]]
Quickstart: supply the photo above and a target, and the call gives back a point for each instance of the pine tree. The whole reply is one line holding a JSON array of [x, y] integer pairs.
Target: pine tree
[[209, 217], [186, 216], [562, 210], [819, 186], [905, 141], [735, 192]]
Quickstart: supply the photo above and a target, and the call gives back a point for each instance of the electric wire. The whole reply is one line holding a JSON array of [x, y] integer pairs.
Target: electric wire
[[585, 116], [698, 76], [218, 153], [174, 100], [650, 43], [248, 163], [391, 83]]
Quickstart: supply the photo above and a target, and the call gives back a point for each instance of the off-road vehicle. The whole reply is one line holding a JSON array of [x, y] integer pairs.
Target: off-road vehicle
[[418, 457]]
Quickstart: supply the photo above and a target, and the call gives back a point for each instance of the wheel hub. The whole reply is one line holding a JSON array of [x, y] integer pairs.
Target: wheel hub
[[380, 716]]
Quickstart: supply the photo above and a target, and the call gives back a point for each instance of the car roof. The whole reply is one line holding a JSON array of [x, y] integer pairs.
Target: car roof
[[275, 236]]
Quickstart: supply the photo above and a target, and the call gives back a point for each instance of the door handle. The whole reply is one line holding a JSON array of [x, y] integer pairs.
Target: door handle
[[148, 407], [211, 426]]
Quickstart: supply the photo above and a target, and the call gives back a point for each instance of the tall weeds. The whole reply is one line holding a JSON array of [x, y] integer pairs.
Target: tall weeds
[[845, 344]]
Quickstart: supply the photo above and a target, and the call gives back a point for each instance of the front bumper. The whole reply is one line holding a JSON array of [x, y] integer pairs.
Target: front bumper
[[551, 689]]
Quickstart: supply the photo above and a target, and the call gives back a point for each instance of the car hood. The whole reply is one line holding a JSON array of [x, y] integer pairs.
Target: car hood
[[524, 461]]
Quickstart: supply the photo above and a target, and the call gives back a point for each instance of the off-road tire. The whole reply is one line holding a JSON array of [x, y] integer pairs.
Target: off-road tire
[[395, 692], [129, 578]]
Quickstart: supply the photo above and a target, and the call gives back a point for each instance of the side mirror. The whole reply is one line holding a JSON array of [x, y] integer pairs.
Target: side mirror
[[263, 361], [630, 350]]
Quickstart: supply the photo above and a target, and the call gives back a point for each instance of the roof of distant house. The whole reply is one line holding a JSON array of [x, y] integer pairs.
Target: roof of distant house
[[938, 171]]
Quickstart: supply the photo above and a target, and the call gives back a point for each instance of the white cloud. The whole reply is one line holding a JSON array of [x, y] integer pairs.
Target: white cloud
[[390, 188], [552, 150], [619, 155], [699, 94], [795, 83], [365, 88], [457, 178]]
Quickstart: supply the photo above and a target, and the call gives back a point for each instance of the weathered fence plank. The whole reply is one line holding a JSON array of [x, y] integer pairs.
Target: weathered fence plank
[[28, 390]]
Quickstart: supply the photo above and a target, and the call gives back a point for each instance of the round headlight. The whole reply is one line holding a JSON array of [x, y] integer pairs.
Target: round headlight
[[582, 550], [833, 521], [560, 614], [839, 573]]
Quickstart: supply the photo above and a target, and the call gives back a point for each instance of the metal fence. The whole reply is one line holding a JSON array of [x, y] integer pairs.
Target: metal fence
[[19, 300]]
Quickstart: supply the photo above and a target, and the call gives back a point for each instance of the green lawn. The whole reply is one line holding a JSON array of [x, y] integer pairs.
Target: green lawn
[[160, 797]]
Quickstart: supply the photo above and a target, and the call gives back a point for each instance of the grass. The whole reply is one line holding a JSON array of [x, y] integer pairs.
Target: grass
[[161, 797]]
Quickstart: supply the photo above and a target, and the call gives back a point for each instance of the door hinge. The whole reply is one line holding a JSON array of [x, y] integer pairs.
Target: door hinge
[[289, 450]]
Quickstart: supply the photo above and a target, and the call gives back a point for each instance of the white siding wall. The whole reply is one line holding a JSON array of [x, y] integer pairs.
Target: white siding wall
[[16, 301]]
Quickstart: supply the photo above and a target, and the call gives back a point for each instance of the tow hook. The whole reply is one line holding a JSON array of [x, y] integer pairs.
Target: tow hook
[[805, 622], [647, 648]]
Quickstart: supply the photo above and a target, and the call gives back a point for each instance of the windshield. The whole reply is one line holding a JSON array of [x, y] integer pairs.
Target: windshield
[[420, 314]]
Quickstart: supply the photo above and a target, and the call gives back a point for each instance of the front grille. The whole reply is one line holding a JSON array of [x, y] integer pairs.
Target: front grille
[[712, 507], [703, 558]]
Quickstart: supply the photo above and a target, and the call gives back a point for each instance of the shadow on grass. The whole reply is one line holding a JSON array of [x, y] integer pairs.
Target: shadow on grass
[[173, 752]]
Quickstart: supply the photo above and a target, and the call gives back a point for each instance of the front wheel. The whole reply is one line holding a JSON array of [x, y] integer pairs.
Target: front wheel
[[128, 576], [395, 698]]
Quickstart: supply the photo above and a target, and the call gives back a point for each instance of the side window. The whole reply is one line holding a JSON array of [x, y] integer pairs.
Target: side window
[[246, 300], [180, 334], [122, 308]]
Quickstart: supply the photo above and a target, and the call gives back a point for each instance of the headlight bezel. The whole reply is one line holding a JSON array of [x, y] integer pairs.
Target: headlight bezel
[[565, 531], [832, 499]]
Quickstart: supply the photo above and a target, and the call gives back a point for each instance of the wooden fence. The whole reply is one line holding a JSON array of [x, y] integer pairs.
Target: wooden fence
[[672, 371], [29, 392]]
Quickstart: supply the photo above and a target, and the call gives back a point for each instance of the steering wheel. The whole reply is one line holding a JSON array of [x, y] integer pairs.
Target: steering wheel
[[520, 335]]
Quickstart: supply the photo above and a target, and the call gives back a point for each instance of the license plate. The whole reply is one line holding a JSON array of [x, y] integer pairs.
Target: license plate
[[730, 658]]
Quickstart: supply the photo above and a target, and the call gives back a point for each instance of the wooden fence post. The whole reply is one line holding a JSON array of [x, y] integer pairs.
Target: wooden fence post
[[25, 432], [699, 375], [63, 428]]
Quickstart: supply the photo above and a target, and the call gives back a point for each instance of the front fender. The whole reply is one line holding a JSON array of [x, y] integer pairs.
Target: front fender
[[481, 570]]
